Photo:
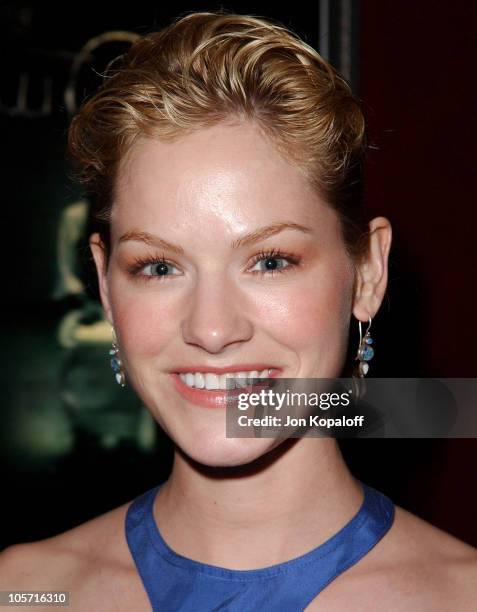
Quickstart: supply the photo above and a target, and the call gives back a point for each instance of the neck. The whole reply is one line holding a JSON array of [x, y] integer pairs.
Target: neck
[[289, 502]]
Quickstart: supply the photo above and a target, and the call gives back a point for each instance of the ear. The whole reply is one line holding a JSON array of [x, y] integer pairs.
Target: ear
[[98, 250], [372, 271]]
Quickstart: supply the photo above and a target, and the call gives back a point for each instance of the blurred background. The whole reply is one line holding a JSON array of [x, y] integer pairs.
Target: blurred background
[[73, 443]]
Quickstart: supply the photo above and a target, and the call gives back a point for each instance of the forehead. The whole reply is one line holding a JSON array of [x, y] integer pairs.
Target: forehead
[[229, 175]]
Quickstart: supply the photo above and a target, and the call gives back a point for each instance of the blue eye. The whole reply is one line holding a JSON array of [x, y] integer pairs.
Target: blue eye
[[149, 268], [271, 257], [159, 268]]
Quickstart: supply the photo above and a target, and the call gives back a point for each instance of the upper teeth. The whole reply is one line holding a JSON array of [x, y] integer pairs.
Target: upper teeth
[[201, 380]]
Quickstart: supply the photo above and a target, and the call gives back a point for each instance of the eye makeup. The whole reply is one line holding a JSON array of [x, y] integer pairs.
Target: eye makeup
[[162, 265]]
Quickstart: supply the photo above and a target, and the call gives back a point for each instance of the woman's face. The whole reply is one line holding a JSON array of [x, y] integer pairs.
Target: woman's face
[[232, 293]]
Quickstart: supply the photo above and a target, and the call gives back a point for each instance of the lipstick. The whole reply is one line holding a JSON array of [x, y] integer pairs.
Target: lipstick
[[217, 398]]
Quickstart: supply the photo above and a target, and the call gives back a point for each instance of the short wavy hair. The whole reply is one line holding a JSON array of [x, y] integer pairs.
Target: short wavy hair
[[211, 67]]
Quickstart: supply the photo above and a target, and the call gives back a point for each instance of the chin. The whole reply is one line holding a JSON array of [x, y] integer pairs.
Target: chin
[[229, 452]]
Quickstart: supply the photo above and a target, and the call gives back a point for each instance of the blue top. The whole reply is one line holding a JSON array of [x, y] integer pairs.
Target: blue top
[[178, 584]]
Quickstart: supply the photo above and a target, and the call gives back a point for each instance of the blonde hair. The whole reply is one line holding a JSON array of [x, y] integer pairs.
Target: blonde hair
[[210, 67]]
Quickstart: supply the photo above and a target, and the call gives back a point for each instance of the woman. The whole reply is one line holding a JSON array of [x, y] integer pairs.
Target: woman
[[225, 156]]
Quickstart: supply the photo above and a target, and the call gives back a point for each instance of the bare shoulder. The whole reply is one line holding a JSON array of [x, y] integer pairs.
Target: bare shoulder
[[415, 566], [91, 561]]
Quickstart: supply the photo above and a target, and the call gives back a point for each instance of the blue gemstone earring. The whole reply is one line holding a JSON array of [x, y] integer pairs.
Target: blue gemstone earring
[[116, 363], [365, 351]]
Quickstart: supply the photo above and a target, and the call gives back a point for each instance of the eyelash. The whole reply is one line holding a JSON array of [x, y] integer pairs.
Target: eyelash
[[292, 259], [141, 262]]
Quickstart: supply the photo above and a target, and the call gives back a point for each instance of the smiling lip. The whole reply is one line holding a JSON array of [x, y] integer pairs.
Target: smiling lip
[[217, 398], [242, 367]]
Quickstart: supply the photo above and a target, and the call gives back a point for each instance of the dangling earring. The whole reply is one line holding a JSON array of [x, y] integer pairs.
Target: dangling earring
[[365, 351], [116, 363]]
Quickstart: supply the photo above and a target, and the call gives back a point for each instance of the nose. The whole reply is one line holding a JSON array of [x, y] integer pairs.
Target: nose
[[216, 318]]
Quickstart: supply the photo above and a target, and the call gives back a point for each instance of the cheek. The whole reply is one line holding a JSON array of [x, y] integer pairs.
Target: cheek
[[144, 323], [317, 312], [313, 312]]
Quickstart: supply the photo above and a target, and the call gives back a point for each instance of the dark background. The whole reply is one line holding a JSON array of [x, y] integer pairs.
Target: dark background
[[413, 65]]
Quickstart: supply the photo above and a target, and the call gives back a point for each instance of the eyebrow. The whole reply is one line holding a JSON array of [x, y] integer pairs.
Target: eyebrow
[[248, 239]]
